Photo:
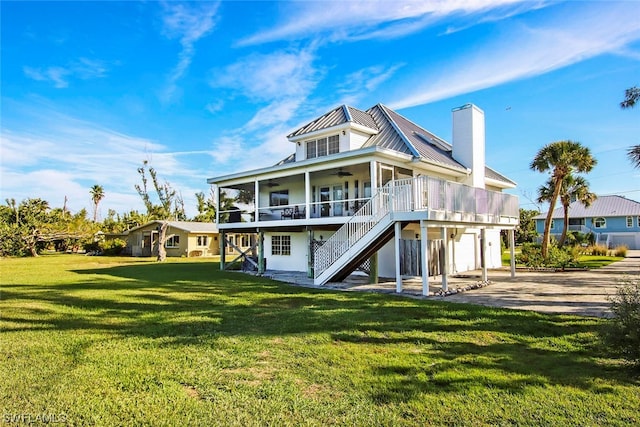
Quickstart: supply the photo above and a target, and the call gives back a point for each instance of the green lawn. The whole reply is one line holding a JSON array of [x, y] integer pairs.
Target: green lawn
[[122, 341], [585, 261]]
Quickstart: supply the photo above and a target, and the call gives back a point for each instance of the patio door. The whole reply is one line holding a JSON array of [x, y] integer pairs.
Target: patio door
[[325, 201], [337, 197], [386, 175]]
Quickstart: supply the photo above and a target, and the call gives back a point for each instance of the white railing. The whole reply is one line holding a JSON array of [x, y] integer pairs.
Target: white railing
[[417, 194]]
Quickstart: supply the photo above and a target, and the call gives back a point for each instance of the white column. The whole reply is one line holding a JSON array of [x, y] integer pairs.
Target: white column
[[374, 176], [307, 191], [425, 258], [445, 261], [512, 251], [398, 232], [483, 239]]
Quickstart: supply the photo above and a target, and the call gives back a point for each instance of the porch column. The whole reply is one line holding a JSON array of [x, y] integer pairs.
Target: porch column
[[398, 234], [445, 260], [310, 254], [307, 192], [261, 252], [512, 251], [218, 205], [256, 199], [483, 240], [374, 176], [424, 268], [223, 249], [373, 270]]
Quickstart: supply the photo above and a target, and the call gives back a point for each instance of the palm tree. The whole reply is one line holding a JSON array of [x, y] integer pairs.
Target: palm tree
[[631, 98], [97, 194], [574, 188], [560, 158]]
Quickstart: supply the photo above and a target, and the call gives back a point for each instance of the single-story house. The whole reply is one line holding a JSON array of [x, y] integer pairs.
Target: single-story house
[[373, 190], [613, 220], [183, 238]]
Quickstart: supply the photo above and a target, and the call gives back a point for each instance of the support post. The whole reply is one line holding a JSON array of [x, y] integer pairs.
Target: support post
[[398, 234], [310, 254], [256, 200], [223, 249], [374, 177], [373, 273], [445, 261], [307, 197], [483, 240], [424, 268], [261, 252], [512, 251]]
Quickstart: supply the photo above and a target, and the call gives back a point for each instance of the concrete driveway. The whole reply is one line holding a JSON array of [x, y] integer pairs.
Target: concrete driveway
[[575, 292]]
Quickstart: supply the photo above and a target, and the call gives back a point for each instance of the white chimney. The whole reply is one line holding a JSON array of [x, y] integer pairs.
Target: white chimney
[[468, 142]]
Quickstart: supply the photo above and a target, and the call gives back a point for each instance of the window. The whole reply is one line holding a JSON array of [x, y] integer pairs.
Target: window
[[279, 198], [202, 240], [172, 242], [553, 224], [600, 222], [281, 245], [629, 222], [323, 146]]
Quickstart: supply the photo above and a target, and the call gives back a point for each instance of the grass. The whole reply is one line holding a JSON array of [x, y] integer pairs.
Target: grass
[[125, 341], [584, 261]]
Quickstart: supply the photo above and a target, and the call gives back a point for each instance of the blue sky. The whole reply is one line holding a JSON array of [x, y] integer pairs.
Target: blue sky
[[90, 90]]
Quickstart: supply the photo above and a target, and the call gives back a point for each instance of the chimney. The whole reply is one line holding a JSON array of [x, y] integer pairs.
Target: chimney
[[468, 142]]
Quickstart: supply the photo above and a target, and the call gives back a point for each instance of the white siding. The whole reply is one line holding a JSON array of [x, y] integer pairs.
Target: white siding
[[297, 261]]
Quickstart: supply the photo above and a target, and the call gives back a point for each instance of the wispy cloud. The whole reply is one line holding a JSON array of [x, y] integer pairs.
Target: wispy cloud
[[65, 156], [361, 19], [187, 22], [60, 76], [527, 51]]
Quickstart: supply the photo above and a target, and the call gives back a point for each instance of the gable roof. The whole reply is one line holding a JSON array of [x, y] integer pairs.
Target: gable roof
[[188, 226], [338, 116], [603, 206]]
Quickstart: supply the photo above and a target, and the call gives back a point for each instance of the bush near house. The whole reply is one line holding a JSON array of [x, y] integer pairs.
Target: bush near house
[[623, 334]]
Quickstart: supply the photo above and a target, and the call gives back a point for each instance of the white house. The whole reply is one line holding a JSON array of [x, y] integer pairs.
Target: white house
[[372, 185]]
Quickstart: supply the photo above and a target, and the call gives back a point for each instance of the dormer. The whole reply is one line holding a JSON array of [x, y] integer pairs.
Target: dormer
[[342, 129]]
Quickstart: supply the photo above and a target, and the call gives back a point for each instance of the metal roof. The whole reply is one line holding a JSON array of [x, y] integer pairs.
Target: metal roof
[[603, 206], [337, 116]]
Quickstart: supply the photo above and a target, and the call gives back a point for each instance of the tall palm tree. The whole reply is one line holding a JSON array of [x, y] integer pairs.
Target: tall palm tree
[[560, 158], [97, 194], [574, 188], [631, 98]]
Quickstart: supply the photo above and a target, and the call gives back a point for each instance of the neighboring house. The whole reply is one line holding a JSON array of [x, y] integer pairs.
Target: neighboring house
[[372, 185], [184, 238], [613, 220]]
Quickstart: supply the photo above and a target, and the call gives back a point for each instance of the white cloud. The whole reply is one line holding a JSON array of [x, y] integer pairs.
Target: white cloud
[[83, 69], [527, 51], [188, 22], [375, 19]]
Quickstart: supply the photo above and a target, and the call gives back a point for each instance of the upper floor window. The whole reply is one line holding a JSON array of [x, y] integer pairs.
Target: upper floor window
[[279, 198], [323, 146], [629, 221], [202, 240], [600, 222], [172, 241]]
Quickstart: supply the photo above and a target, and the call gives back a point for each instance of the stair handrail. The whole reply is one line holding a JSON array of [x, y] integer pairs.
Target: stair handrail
[[362, 221]]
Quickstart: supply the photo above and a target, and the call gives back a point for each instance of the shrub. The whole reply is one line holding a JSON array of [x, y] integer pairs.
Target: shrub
[[561, 257], [623, 334], [113, 247], [597, 250], [620, 251], [530, 255]]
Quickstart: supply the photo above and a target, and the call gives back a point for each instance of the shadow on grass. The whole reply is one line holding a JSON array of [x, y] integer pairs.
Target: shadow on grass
[[191, 303]]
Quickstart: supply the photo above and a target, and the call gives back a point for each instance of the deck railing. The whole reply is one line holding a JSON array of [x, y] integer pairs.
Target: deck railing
[[417, 194]]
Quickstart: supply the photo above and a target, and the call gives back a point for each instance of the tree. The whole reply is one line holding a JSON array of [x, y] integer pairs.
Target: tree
[[169, 207], [560, 158], [575, 188], [206, 208], [631, 97], [97, 194], [526, 229]]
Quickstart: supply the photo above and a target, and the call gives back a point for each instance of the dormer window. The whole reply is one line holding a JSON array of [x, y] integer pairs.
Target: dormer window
[[323, 146]]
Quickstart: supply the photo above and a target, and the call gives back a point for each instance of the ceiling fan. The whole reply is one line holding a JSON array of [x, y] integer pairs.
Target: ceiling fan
[[342, 173], [272, 184]]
